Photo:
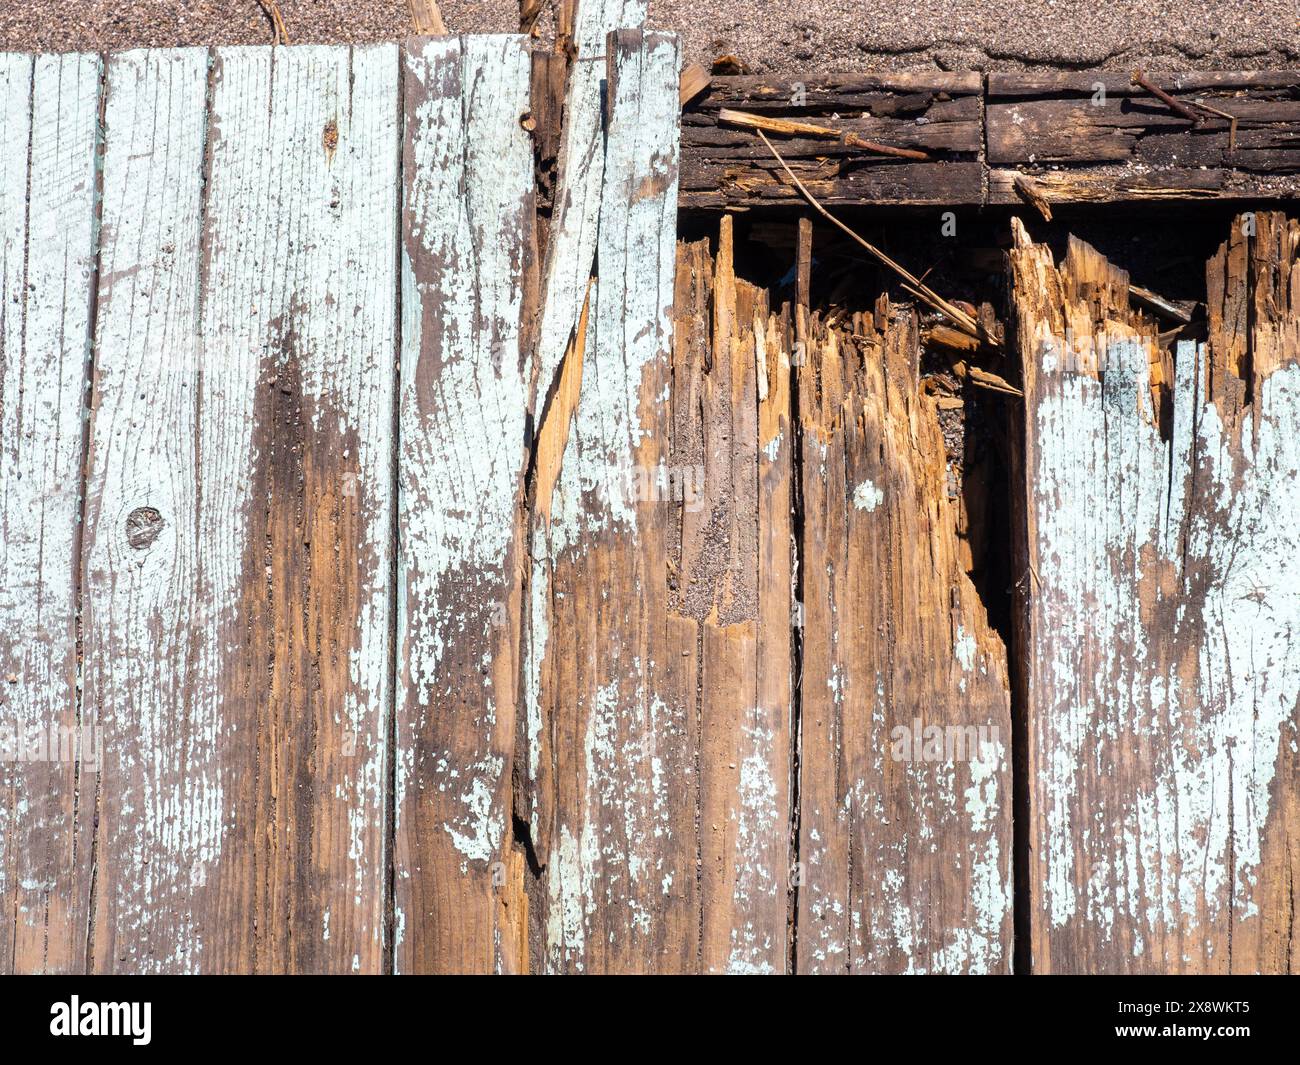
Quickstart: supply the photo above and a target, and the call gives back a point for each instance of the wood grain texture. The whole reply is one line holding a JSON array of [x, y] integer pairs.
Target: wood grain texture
[[301, 271], [48, 172], [152, 683], [940, 114], [616, 685], [1162, 678], [238, 544], [731, 562], [1099, 138], [905, 779], [571, 246], [468, 266]]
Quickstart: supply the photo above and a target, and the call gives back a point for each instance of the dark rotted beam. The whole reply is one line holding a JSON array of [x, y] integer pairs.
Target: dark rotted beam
[[724, 166], [1089, 137]]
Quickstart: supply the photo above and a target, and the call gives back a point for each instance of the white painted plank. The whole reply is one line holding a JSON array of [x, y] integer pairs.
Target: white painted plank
[[149, 606], [50, 107], [241, 657], [618, 687], [1165, 672], [572, 245], [466, 265], [298, 391]]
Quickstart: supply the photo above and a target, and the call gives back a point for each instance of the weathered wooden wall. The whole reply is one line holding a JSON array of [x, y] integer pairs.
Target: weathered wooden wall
[[410, 599]]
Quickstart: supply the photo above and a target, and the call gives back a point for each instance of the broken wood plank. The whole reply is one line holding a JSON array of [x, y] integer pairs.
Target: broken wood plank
[[571, 244], [905, 780], [731, 562], [1158, 611], [938, 116], [48, 762], [1099, 138], [617, 668], [468, 266], [239, 510]]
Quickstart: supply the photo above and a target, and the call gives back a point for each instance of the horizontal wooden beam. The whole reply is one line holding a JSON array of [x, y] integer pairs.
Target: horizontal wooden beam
[[1008, 139], [940, 115]]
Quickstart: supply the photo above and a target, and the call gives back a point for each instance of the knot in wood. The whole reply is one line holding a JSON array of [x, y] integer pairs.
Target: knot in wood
[[143, 526]]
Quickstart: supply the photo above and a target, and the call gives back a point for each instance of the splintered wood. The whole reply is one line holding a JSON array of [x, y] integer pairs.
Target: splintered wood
[[616, 672], [905, 794], [731, 566], [1159, 615]]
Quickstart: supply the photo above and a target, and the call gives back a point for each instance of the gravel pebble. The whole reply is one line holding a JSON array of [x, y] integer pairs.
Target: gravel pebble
[[770, 36]]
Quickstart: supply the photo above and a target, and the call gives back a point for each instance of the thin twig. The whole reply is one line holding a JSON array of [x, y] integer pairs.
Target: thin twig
[[1232, 122], [963, 320], [272, 10], [790, 127]]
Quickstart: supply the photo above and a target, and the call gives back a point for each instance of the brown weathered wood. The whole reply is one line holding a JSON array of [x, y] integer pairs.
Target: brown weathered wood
[[1160, 596], [730, 562], [1100, 138], [426, 17], [794, 128], [939, 115], [905, 786], [469, 269], [616, 670]]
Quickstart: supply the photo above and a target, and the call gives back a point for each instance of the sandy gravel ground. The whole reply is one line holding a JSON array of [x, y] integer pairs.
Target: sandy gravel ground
[[778, 36]]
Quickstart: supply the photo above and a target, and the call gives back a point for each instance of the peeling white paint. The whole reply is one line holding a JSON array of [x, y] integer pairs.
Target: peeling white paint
[[867, 496], [1112, 509]]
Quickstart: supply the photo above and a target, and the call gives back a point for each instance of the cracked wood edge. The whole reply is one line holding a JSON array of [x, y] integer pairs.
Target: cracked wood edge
[[731, 556], [905, 779], [617, 679], [571, 243], [467, 268], [50, 106], [239, 503], [1163, 680]]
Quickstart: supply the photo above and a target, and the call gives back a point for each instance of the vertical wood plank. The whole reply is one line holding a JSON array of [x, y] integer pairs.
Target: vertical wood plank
[[618, 676], [467, 268], [905, 786], [571, 247], [731, 559], [1163, 675], [238, 554], [150, 673], [49, 109], [301, 275]]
